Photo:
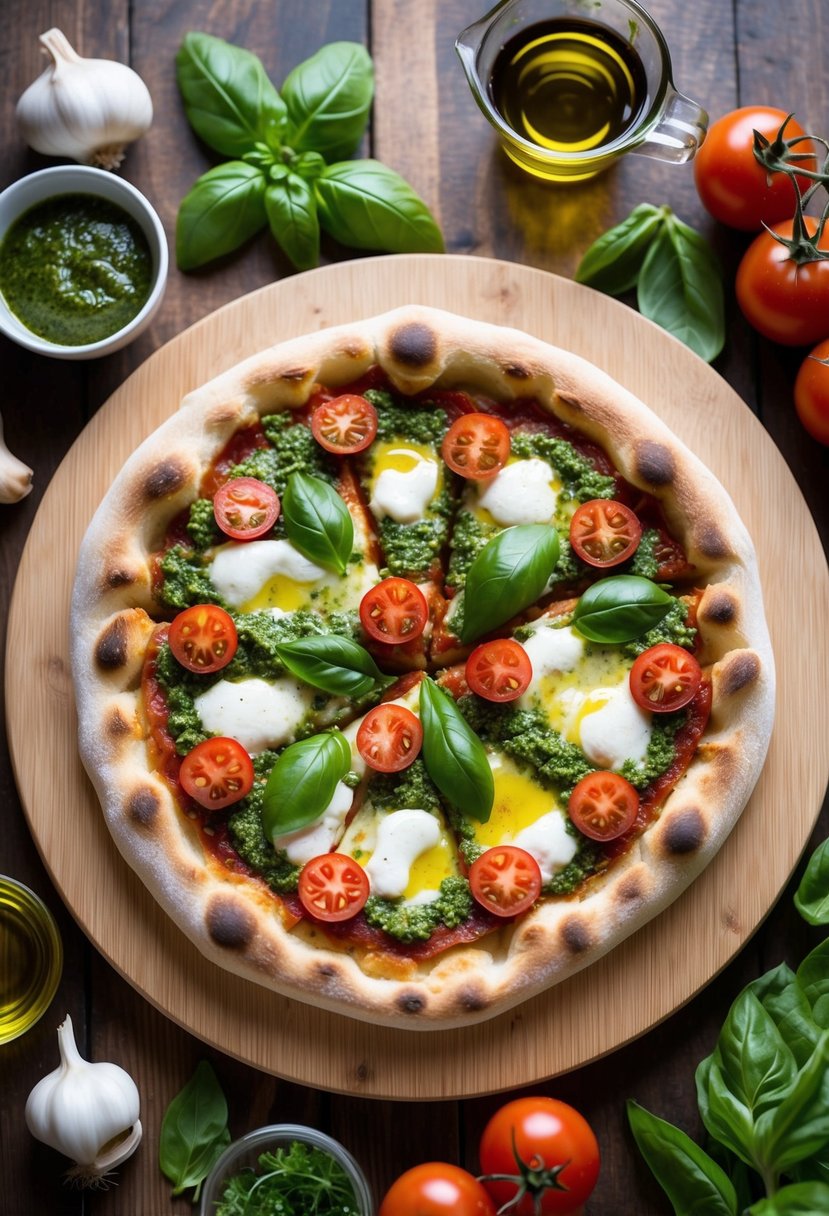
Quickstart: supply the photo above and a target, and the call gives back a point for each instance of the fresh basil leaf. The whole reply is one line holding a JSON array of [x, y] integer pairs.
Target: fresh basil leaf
[[621, 608], [509, 573], [680, 288], [302, 782], [813, 1169], [317, 521], [454, 755], [798, 1126], [193, 1130], [813, 977], [784, 1000], [365, 204], [726, 1118], [756, 1063], [333, 664], [612, 263], [308, 165], [812, 896], [800, 1199], [228, 99], [328, 98], [693, 1182], [292, 215], [225, 207]]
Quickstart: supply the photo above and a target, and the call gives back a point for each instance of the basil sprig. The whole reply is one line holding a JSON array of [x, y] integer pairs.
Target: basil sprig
[[676, 273], [302, 782], [333, 664], [454, 755], [812, 896], [194, 1131], [317, 521], [509, 573], [621, 608], [691, 1179]]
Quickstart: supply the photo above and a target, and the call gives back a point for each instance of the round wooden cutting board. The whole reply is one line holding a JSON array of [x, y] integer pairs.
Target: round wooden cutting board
[[647, 976]]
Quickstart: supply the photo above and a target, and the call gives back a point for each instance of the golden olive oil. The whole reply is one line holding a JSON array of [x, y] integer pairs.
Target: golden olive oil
[[31, 958], [568, 85]]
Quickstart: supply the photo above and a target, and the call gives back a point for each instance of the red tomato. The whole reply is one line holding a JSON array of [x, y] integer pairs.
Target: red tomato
[[437, 1189], [551, 1150], [245, 508], [733, 186], [394, 611], [333, 887], [811, 393], [603, 805], [390, 738], [203, 638], [784, 301], [665, 678], [604, 532], [499, 670], [345, 425], [476, 446], [506, 880], [217, 773]]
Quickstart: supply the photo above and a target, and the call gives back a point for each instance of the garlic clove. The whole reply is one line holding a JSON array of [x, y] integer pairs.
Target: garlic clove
[[15, 476]]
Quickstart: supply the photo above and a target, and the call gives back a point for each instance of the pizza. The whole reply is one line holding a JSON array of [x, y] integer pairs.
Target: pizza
[[417, 664]]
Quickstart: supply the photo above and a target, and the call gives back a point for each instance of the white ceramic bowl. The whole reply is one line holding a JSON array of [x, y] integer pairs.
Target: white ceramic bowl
[[81, 179]]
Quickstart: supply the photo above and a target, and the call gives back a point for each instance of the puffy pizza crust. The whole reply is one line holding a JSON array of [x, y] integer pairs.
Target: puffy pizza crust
[[236, 922]]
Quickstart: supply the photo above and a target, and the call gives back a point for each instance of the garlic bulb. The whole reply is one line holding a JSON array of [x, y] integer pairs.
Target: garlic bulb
[[15, 476], [86, 109], [86, 1111]]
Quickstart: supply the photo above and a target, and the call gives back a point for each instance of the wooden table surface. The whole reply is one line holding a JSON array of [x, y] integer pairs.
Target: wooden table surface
[[426, 125]]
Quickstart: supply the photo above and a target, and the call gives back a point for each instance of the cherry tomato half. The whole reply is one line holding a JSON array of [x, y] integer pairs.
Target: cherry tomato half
[[783, 301], [811, 393], [437, 1189], [333, 887], [604, 532], [390, 738], [245, 508], [665, 678], [603, 805], [476, 446], [506, 880], [217, 773], [203, 638], [394, 611], [344, 425], [499, 670], [552, 1139], [733, 186]]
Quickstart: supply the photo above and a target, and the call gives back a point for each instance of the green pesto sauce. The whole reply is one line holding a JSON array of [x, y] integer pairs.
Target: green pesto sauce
[[580, 478], [417, 922], [75, 269], [249, 839]]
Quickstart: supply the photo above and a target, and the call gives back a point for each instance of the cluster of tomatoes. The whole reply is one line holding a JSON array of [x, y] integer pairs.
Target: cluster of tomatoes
[[538, 1156], [783, 278]]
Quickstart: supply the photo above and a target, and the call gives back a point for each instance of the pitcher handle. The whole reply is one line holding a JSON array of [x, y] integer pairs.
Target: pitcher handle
[[679, 132]]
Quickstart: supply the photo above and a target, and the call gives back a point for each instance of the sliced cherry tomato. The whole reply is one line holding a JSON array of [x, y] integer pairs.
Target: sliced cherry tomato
[[811, 393], [603, 805], [506, 880], [556, 1147], [394, 611], [665, 678], [333, 887], [786, 302], [604, 532], [437, 1189], [476, 446], [390, 738], [344, 425], [245, 508], [216, 773], [203, 638], [499, 670]]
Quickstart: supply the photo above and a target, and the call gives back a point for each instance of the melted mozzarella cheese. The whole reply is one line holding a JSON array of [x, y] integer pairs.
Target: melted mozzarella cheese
[[522, 493], [617, 730], [239, 572], [256, 713], [552, 650], [549, 842], [402, 837], [321, 835], [405, 483]]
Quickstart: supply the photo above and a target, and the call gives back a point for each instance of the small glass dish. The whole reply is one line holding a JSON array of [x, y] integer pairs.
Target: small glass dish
[[245, 1153], [31, 958]]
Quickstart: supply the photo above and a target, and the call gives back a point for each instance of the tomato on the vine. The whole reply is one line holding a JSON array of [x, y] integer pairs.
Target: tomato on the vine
[[785, 298], [437, 1189], [733, 186], [811, 393], [549, 1149]]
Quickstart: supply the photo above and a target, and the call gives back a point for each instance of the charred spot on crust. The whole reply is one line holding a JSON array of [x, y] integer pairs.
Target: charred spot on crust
[[630, 889], [295, 375], [712, 543], [119, 578], [516, 371], [576, 935], [684, 832], [326, 972], [111, 650], [143, 807], [472, 1000], [568, 399], [222, 415], [411, 1002], [229, 924], [720, 608], [353, 350], [165, 479], [413, 345], [742, 670], [654, 463], [117, 725]]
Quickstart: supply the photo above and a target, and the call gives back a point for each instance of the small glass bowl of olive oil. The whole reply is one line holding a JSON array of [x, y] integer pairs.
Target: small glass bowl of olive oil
[[31, 958]]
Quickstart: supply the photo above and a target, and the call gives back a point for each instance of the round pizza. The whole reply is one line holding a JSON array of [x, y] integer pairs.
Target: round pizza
[[418, 664]]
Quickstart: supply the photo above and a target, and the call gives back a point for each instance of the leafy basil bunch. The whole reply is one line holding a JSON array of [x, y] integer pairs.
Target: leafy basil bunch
[[677, 276], [289, 150]]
